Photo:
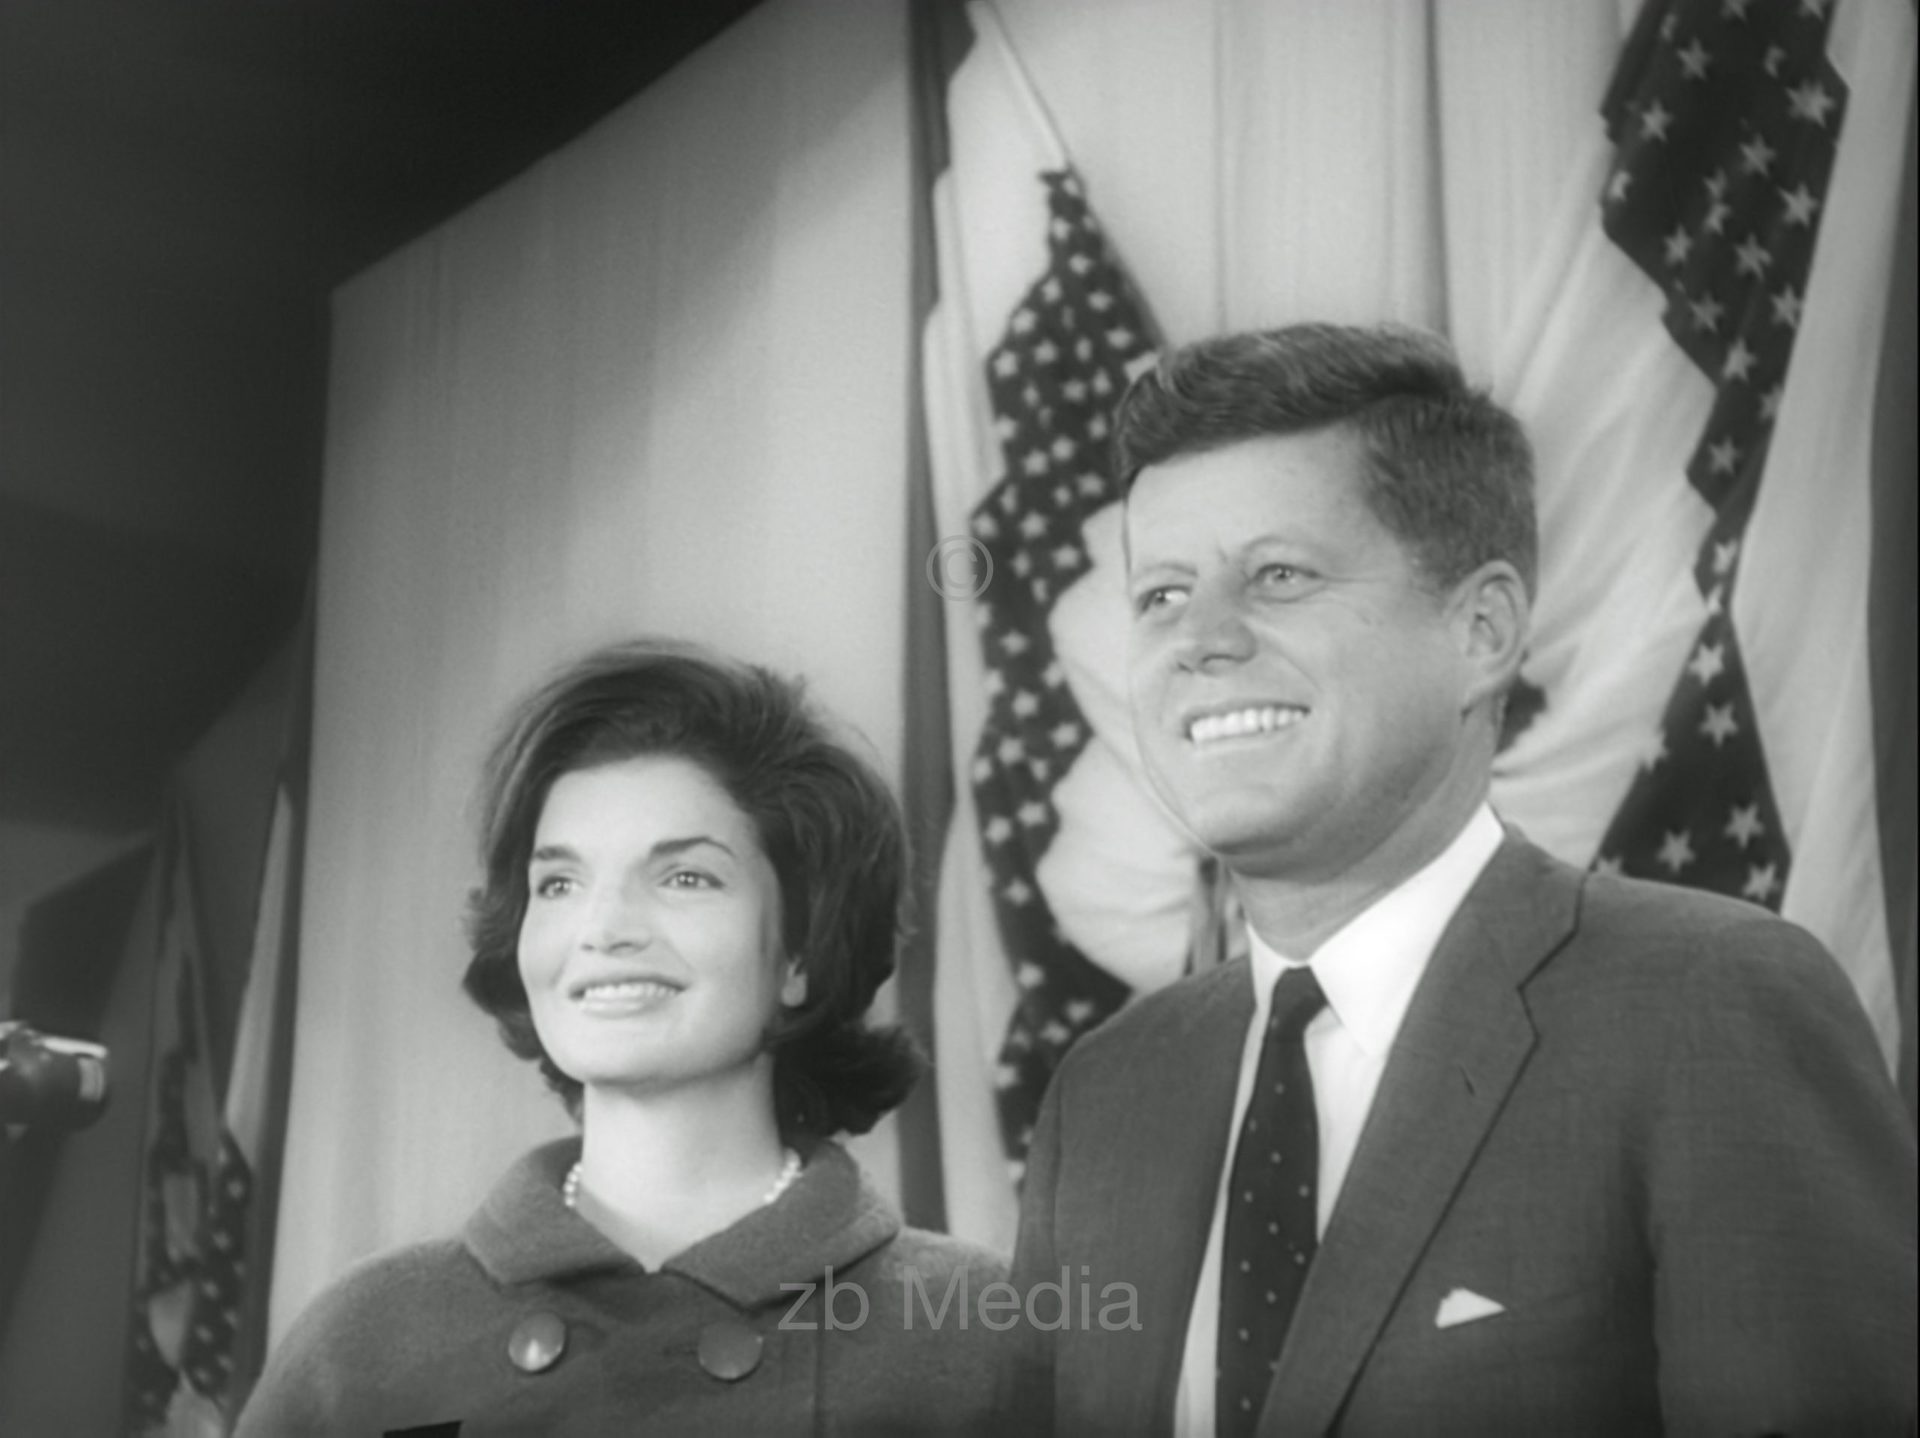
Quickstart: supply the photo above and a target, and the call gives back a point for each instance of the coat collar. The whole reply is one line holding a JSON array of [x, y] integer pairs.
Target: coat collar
[[1466, 1037], [831, 1217]]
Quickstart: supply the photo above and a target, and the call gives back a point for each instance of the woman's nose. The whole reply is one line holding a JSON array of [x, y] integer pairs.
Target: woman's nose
[[616, 923]]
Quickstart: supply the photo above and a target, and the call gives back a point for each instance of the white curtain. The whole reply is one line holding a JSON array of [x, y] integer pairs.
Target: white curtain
[[655, 384], [1264, 161], [659, 383]]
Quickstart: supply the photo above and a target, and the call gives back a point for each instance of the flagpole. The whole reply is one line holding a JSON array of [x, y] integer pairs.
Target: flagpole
[[1891, 618], [926, 775]]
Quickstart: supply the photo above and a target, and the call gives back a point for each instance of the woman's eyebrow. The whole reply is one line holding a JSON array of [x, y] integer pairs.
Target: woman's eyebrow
[[558, 853], [692, 841]]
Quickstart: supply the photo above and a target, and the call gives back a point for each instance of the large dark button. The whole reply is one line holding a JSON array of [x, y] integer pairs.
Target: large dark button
[[538, 1341], [729, 1349]]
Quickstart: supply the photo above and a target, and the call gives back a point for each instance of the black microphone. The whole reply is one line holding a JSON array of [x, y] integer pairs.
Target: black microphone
[[50, 1082]]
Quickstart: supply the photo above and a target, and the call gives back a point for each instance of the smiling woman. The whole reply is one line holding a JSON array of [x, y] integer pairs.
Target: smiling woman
[[691, 896], [651, 951]]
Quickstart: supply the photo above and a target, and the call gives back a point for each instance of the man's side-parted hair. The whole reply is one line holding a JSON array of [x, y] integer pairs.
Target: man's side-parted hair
[[828, 824], [1448, 471]]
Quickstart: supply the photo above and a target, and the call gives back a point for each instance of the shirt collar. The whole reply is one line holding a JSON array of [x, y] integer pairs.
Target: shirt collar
[[831, 1216], [1370, 968]]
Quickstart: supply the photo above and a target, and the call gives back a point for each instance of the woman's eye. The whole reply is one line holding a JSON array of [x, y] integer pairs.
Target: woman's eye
[[692, 879], [1161, 596], [553, 886]]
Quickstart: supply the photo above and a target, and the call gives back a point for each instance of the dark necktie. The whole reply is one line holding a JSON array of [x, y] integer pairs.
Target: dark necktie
[[1269, 1239]]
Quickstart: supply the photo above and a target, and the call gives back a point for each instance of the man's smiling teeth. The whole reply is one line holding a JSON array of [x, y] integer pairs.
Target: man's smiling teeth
[[626, 990], [1260, 719]]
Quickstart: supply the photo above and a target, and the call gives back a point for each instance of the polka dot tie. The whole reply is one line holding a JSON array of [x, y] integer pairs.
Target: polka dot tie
[[1269, 1239]]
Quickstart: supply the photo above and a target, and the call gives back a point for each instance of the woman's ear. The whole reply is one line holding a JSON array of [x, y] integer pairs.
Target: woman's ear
[[793, 988]]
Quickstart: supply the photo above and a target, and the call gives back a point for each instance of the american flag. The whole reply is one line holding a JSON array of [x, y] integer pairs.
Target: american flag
[[206, 1226], [184, 1284], [1053, 379], [1725, 117]]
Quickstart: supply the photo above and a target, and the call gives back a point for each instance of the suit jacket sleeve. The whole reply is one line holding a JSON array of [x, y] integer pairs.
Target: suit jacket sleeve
[[1781, 1201], [1027, 1389]]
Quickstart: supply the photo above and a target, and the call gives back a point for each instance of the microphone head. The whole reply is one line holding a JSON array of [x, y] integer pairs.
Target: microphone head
[[50, 1082]]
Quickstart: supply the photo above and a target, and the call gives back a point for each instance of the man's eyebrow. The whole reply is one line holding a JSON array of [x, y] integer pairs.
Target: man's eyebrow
[[665, 848], [1143, 563]]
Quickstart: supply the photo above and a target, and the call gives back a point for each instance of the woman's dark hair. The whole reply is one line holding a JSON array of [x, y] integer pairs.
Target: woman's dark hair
[[828, 824]]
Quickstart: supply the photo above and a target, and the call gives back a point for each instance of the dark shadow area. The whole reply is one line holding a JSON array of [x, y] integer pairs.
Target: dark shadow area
[[181, 186]]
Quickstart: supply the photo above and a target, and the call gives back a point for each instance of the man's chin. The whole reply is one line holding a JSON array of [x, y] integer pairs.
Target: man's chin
[[1248, 842]]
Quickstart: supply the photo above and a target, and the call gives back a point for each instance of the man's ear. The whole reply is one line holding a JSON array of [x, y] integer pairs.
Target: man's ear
[[1494, 619]]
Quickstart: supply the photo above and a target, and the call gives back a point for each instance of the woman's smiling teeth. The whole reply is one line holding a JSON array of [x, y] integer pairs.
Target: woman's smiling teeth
[[1242, 723], [625, 993]]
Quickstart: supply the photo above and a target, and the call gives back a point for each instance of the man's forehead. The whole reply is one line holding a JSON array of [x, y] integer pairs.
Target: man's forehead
[[1333, 453]]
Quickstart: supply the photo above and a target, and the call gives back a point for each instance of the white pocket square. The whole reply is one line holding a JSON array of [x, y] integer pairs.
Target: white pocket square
[[1463, 1305]]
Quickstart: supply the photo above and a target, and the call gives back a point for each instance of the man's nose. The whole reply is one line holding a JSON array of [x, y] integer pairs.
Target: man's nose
[[1212, 632]]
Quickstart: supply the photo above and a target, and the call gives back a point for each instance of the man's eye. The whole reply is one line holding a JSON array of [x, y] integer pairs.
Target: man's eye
[[1286, 581]]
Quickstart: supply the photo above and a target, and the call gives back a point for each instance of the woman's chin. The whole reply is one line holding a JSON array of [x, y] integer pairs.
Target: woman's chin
[[660, 1077]]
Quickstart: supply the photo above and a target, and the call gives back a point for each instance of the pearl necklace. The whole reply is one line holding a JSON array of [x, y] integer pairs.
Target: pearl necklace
[[789, 1171]]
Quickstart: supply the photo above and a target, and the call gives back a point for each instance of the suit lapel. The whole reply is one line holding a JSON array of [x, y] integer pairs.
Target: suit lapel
[[1167, 1154], [1463, 1043]]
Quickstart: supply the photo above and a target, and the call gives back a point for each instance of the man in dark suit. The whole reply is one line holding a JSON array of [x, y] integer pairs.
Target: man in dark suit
[[1476, 1143]]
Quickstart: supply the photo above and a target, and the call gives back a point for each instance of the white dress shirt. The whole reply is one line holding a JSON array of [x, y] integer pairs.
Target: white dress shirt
[[1368, 971]]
